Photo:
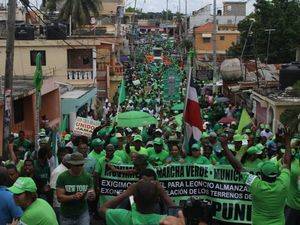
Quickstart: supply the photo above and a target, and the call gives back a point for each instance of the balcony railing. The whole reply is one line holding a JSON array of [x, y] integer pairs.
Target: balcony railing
[[80, 74]]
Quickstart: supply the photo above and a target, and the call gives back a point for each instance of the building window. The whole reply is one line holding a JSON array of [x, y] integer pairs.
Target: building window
[[222, 38], [80, 58], [33, 54], [206, 40], [18, 110]]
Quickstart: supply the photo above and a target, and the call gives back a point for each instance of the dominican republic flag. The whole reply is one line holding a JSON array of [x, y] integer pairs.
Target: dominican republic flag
[[192, 118]]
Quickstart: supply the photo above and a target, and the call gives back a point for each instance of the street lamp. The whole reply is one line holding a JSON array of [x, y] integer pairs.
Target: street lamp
[[268, 46]]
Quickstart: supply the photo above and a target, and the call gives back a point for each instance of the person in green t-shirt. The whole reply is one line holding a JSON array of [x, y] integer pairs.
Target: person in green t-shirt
[[36, 211], [97, 153], [145, 194], [73, 188], [251, 158], [269, 193], [292, 211], [196, 157], [157, 155], [22, 145], [137, 146]]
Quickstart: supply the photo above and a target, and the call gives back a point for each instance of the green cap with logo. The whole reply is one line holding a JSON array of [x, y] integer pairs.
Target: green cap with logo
[[158, 141], [254, 150], [260, 146], [97, 142], [269, 169], [67, 137], [238, 137], [204, 135], [196, 147], [137, 138], [23, 184]]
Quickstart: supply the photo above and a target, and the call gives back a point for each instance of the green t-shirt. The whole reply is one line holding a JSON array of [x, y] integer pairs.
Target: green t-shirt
[[125, 217], [253, 164], [124, 156], [157, 158], [293, 197], [142, 151], [39, 213], [97, 156], [201, 160], [101, 163], [73, 184], [268, 199]]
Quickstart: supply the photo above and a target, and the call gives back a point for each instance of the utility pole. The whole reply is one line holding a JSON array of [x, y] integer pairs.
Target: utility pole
[[186, 18], [132, 31], [167, 16], [268, 46], [214, 42], [9, 68]]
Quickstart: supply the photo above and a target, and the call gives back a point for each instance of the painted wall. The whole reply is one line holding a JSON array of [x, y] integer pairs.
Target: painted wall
[[222, 45]]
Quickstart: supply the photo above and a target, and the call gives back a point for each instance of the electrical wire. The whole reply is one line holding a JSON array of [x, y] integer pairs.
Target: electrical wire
[[61, 30]]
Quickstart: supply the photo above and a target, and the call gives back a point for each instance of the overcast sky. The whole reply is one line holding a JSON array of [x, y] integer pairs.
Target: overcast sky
[[159, 5]]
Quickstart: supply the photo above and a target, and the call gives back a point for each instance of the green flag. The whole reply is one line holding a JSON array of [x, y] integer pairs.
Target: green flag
[[38, 74], [64, 124], [245, 120], [122, 93]]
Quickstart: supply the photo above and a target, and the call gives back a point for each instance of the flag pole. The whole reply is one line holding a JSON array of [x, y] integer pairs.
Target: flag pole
[[188, 83], [186, 100]]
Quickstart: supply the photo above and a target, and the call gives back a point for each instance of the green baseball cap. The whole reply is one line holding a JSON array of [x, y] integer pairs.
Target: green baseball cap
[[67, 137], [260, 146], [254, 150], [137, 138], [196, 147], [22, 185], [97, 142], [238, 137], [114, 141], [269, 169], [248, 131], [262, 126], [158, 141], [204, 135]]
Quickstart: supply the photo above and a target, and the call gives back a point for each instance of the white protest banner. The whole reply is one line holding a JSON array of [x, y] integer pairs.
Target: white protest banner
[[85, 127]]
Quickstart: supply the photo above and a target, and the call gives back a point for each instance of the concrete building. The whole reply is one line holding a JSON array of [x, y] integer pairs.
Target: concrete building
[[226, 35], [233, 13], [234, 8], [75, 61], [268, 108], [23, 107], [75, 103]]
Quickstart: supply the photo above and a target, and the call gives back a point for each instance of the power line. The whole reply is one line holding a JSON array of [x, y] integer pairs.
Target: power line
[[61, 30]]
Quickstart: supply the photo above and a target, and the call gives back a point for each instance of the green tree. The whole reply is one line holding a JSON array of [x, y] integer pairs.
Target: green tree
[[281, 15], [80, 10]]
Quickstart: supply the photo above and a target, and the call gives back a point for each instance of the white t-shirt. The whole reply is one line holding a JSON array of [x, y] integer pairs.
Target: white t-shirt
[[266, 134], [53, 178]]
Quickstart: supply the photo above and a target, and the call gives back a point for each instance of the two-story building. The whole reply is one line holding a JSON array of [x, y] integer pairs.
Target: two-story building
[[225, 37]]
